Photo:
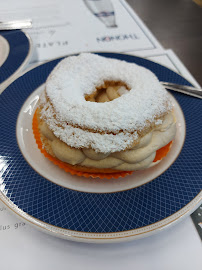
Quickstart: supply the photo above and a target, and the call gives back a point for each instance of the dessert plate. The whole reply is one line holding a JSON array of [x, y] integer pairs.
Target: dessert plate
[[86, 211], [15, 52], [44, 167]]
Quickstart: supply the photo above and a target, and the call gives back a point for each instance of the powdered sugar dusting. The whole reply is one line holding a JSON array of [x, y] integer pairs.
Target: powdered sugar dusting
[[77, 76], [79, 138], [105, 143], [158, 122]]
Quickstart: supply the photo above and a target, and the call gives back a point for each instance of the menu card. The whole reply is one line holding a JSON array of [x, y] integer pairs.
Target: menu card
[[67, 27]]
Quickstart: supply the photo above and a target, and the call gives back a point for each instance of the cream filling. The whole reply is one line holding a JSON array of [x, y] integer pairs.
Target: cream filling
[[138, 157], [159, 139], [66, 153], [137, 166], [112, 92]]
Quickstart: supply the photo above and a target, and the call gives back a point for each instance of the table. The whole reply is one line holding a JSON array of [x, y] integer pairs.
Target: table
[[177, 25], [177, 247]]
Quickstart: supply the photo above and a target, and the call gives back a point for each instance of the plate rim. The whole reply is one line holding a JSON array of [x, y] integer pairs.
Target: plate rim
[[74, 235], [35, 65], [16, 73], [89, 237], [5, 41]]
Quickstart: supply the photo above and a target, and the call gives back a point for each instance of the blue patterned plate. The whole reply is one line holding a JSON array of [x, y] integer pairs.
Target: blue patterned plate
[[83, 214], [15, 52]]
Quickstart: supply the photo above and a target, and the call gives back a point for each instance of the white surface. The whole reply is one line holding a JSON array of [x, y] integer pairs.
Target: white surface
[[23, 247]]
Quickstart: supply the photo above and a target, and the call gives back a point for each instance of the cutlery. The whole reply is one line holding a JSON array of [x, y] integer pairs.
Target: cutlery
[[188, 90], [17, 24]]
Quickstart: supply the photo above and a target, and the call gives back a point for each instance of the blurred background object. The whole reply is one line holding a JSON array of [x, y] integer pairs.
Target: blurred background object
[[198, 2], [103, 10]]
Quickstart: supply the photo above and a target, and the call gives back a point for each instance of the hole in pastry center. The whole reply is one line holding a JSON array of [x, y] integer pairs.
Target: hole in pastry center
[[109, 91]]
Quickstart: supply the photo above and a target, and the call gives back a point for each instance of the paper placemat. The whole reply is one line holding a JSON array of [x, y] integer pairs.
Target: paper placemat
[[65, 27]]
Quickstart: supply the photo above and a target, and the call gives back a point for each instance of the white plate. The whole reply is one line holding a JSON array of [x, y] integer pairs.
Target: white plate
[[58, 176]]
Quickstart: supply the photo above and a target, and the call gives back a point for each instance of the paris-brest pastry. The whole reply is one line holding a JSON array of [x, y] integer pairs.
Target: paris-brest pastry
[[104, 115]]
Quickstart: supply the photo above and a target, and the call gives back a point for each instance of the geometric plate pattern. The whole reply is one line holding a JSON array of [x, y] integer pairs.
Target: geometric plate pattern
[[19, 47], [94, 212]]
